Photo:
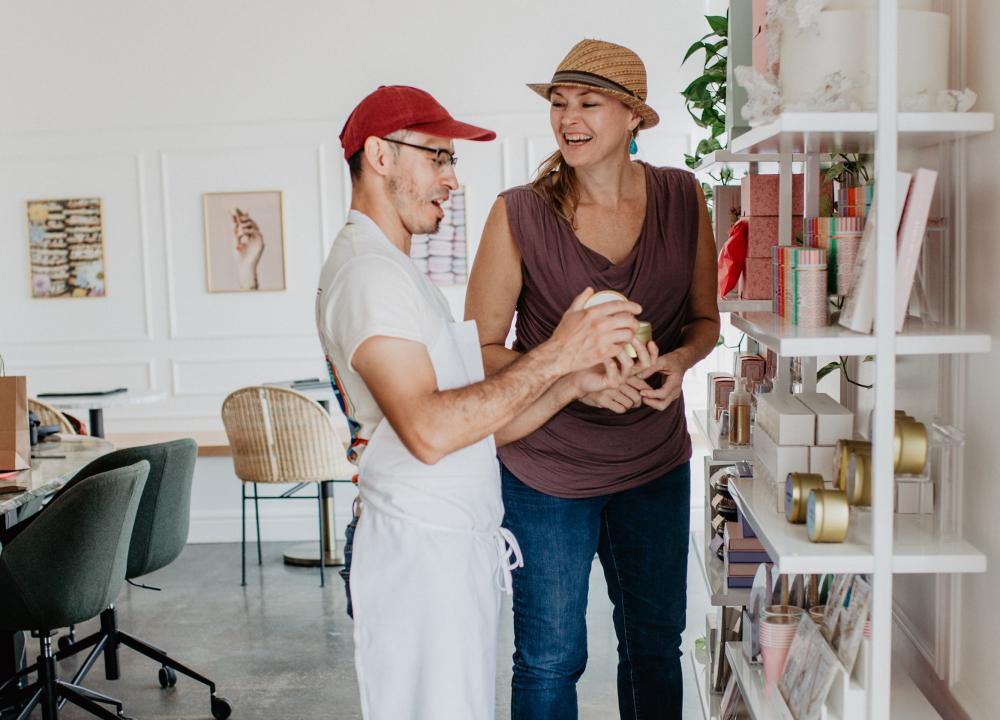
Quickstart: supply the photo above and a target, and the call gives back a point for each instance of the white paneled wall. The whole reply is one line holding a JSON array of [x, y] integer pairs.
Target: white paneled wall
[[183, 98]]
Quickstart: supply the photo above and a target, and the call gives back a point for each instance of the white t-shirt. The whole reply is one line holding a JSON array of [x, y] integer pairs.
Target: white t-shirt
[[368, 287]]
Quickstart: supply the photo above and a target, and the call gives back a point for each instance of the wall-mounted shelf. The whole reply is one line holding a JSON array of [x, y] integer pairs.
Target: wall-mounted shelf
[[834, 132], [917, 547], [917, 338]]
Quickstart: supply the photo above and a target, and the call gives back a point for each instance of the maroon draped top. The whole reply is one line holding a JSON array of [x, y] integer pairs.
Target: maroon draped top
[[584, 451]]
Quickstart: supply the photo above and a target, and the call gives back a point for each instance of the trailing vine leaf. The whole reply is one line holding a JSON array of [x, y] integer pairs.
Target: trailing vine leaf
[[705, 96]]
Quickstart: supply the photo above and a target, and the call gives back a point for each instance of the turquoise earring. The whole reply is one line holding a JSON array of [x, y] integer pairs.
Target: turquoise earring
[[632, 147]]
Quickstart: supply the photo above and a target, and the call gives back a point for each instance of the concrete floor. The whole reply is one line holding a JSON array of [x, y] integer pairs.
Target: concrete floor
[[282, 647]]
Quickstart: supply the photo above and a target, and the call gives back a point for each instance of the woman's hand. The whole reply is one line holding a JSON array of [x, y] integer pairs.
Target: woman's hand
[[618, 390], [672, 367]]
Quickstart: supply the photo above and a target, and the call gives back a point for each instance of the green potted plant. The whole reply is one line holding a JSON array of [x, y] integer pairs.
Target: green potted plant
[[850, 172], [705, 96]]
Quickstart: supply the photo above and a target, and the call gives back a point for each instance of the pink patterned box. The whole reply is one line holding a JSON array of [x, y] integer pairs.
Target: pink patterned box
[[762, 234], [759, 195], [755, 283]]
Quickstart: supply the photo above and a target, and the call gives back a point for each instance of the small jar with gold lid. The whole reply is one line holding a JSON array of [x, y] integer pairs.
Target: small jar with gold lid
[[859, 480], [827, 516], [909, 446], [842, 454], [797, 489], [645, 332]]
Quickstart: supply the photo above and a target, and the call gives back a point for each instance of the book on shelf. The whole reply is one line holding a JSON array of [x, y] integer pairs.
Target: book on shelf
[[910, 238], [858, 313]]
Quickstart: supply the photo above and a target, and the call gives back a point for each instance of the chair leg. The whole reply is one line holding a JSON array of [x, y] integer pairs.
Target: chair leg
[[161, 657], [31, 704], [71, 695], [256, 514], [47, 677], [93, 695], [109, 626], [322, 555], [243, 540]]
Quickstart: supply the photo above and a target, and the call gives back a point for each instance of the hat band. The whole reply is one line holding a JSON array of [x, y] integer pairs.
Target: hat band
[[586, 78]]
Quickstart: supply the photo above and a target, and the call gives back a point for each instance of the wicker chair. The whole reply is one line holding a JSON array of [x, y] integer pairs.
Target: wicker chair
[[49, 415], [281, 436]]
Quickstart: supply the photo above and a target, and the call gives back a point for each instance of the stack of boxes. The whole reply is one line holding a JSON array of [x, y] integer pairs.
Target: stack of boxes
[[744, 554], [759, 205], [799, 433]]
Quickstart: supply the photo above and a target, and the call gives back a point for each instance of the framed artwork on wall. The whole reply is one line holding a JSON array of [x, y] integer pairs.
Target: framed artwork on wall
[[66, 248], [443, 256], [244, 241]]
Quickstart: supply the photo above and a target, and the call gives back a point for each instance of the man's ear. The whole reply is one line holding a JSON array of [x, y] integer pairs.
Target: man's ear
[[376, 155]]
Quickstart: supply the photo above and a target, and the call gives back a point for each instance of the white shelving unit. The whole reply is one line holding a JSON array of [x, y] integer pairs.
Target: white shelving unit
[[851, 132], [917, 338], [708, 701], [744, 306], [917, 547], [908, 703], [880, 543]]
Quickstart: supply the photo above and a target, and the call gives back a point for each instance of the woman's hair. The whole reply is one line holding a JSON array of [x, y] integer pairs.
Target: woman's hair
[[555, 182]]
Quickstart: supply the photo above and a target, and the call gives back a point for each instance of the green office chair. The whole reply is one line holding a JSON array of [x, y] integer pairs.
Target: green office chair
[[67, 567], [161, 530]]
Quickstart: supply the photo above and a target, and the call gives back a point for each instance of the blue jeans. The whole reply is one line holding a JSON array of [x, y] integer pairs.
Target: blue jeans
[[641, 538]]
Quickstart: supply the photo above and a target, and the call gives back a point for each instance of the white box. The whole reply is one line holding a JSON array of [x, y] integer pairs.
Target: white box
[[926, 498], [779, 460], [833, 421], [821, 462], [785, 419], [908, 497]]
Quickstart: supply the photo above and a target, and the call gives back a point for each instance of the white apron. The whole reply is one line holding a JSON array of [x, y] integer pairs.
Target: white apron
[[430, 560]]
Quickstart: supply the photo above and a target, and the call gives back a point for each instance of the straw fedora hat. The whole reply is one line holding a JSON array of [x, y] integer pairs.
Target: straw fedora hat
[[607, 68]]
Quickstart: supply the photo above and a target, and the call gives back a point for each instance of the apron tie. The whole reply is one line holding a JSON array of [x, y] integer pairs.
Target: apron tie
[[510, 559]]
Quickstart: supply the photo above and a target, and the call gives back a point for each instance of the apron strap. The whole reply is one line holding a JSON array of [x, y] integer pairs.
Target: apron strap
[[511, 558]]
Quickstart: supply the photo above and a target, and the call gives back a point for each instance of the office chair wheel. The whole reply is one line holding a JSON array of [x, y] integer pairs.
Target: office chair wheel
[[168, 678], [221, 708]]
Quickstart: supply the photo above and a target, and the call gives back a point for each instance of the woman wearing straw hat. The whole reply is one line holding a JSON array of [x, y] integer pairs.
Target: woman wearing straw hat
[[608, 474]]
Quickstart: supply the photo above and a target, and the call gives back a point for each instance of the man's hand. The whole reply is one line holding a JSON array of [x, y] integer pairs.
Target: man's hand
[[249, 247], [672, 367], [588, 337]]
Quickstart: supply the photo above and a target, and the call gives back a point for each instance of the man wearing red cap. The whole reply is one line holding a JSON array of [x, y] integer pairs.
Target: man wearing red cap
[[430, 557]]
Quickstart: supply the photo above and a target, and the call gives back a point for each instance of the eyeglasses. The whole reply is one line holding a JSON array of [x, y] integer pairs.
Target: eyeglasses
[[442, 158]]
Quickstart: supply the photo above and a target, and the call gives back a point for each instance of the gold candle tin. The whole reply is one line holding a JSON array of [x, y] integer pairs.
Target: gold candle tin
[[909, 446], [859, 480], [827, 516], [797, 488], [842, 454]]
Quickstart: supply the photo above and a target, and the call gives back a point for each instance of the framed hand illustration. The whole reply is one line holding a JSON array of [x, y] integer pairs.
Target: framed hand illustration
[[244, 241]]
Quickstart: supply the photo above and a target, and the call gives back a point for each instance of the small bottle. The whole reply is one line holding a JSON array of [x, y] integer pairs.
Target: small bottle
[[739, 415]]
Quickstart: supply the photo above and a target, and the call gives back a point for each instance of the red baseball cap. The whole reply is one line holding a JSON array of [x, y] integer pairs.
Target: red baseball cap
[[399, 107]]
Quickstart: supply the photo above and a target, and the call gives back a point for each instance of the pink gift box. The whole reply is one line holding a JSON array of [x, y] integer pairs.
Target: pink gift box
[[762, 234], [759, 195], [755, 283]]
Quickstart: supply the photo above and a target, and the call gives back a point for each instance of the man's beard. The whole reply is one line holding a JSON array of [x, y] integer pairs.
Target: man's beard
[[404, 194]]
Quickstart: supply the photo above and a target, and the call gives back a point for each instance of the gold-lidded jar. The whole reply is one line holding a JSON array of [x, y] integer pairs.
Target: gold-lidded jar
[[797, 489], [859, 480], [827, 516], [645, 331], [842, 454], [909, 445]]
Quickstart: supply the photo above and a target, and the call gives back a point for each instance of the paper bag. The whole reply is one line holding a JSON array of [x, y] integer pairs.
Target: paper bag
[[15, 443]]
